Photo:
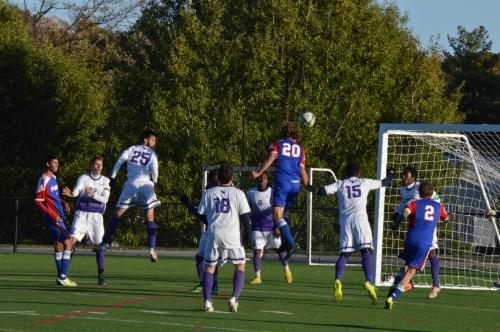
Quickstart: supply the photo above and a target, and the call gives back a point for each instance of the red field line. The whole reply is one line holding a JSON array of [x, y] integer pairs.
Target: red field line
[[73, 314]]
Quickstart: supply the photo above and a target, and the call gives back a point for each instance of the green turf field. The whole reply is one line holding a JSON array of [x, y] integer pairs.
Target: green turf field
[[141, 296]]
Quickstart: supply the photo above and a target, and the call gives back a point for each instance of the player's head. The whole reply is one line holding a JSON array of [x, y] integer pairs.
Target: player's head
[[425, 190], [225, 173], [352, 169], [289, 131], [148, 138], [51, 163], [213, 178], [409, 175], [263, 181], [96, 164]]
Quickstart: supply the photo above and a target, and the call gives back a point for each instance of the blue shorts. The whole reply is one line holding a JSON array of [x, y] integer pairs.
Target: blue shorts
[[284, 193], [415, 255], [58, 231]]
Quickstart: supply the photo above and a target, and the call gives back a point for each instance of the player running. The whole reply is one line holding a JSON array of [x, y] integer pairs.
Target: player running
[[92, 190], [262, 228], [290, 167], [48, 201], [409, 191], [142, 174], [213, 180], [224, 206], [424, 213], [355, 231]]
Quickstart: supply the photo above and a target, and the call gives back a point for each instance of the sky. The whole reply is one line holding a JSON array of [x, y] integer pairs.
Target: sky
[[436, 18], [440, 18]]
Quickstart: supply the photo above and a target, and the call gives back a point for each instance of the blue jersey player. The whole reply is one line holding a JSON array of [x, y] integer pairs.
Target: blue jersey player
[[290, 167], [424, 213]]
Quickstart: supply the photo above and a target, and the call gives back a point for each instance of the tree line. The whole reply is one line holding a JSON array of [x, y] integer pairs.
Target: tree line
[[217, 78]]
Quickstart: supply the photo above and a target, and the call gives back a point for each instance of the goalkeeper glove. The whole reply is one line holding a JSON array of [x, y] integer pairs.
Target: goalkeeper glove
[[397, 218]]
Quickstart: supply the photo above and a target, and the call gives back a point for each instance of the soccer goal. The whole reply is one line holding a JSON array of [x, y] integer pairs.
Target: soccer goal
[[463, 164]]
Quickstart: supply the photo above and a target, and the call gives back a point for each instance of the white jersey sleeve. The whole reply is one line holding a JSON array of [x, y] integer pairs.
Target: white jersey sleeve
[[332, 188], [79, 187], [102, 195], [153, 166], [244, 207], [124, 156], [203, 206]]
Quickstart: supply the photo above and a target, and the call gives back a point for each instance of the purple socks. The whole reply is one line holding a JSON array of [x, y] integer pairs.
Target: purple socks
[[110, 229], [99, 257], [238, 281], [208, 281], [368, 267], [151, 229], [283, 256], [256, 261], [340, 266], [435, 270], [200, 267]]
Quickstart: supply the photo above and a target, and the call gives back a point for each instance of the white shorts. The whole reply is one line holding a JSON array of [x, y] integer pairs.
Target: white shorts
[[265, 240], [87, 223], [215, 254], [140, 193], [202, 244], [355, 235]]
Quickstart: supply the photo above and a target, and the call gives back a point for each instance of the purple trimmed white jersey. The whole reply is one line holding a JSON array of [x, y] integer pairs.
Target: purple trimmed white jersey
[[409, 193], [142, 163], [262, 209], [223, 206], [101, 189]]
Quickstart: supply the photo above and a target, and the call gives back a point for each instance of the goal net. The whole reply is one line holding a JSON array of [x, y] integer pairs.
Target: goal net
[[463, 164]]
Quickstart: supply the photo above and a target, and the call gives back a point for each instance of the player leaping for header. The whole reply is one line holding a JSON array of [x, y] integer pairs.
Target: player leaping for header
[[290, 167], [262, 227], [142, 174], [424, 214], [355, 231]]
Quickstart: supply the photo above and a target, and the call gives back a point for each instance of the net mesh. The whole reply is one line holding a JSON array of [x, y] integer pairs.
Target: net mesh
[[465, 171]]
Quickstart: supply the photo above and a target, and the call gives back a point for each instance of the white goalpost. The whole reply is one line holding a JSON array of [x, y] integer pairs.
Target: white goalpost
[[463, 164]]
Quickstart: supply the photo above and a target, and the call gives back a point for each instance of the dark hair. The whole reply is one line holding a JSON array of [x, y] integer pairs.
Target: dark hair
[[148, 133], [267, 174], [412, 170], [96, 158], [352, 169], [225, 173], [289, 131], [425, 189], [49, 158], [212, 178]]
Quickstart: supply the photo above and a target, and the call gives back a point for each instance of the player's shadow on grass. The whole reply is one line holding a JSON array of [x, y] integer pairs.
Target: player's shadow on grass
[[282, 324]]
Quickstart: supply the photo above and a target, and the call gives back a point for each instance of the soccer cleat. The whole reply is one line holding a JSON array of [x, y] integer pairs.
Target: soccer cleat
[[153, 256], [288, 277], [101, 280], [215, 291], [208, 307], [372, 292], [433, 293], [389, 303], [233, 305], [256, 281], [338, 291], [197, 289], [66, 282]]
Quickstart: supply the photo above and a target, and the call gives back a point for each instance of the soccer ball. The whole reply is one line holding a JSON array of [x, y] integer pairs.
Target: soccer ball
[[307, 119]]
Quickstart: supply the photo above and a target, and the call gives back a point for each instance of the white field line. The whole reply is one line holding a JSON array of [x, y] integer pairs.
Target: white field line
[[26, 313], [154, 312], [194, 326], [276, 312]]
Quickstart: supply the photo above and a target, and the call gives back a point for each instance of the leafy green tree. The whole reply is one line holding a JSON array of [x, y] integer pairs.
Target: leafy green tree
[[475, 70]]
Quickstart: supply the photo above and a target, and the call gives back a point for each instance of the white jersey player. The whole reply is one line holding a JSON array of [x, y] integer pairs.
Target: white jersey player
[[224, 206], [355, 231], [142, 174], [92, 190], [408, 192]]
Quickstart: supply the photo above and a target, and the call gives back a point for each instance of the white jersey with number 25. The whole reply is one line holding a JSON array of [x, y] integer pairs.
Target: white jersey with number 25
[[142, 163]]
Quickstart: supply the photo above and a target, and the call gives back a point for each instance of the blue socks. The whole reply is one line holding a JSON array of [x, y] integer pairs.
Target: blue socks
[[286, 234], [65, 262], [58, 261]]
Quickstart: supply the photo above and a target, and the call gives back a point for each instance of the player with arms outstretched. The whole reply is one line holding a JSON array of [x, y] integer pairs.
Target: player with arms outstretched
[[355, 231], [92, 190], [53, 207], [263, 237], [408, 192], [142, 174], [424, 213], [289, 161], [224, 207]]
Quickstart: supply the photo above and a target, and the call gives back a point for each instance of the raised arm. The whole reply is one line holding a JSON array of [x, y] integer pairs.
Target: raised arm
[[122, 159], [272, 157], [154, 168]]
